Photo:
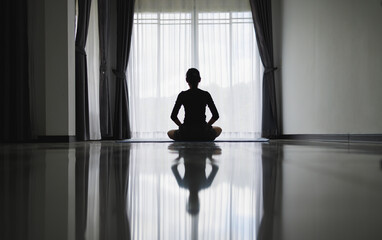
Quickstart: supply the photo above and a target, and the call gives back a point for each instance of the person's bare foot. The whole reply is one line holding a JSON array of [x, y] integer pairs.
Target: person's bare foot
[[171, 134], [218, 131]]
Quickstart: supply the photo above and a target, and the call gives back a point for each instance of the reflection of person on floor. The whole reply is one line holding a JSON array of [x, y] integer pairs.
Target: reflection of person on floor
[[194, 101], [195, 179]]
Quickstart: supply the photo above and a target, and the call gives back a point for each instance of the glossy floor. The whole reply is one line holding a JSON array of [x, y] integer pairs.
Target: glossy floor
[[106, 190]]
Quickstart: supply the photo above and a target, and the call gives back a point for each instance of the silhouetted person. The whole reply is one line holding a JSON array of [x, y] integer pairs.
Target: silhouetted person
[[194, 101], [195, 179]]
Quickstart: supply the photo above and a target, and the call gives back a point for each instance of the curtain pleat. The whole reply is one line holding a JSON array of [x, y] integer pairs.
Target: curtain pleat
[[93, 69], [82, 104], [262, 20], [104, 96], [125, 18], [14, 85]]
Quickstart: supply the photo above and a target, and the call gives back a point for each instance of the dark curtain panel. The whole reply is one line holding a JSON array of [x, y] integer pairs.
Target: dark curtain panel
[[125, 18], [82, 104], [104, 97], [14, 85], [262, 20], [82, 183]]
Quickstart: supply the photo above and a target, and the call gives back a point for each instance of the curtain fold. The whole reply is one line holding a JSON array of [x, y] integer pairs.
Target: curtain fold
[[82, 104], [125, 18], [93, 69], [14, 83], [262, 20], [104, 96]]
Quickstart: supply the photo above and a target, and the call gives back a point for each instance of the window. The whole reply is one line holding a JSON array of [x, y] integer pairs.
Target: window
[[222, 45]]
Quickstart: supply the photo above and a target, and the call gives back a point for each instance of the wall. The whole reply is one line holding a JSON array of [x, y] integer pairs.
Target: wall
[[36, 47], [329, 55], [51, 41]]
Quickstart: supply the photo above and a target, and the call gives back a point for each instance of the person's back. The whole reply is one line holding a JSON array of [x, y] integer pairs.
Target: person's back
[[194, 101]]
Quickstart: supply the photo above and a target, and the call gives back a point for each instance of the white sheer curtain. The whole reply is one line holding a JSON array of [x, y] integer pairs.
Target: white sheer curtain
[[218, 38], [93, 64]]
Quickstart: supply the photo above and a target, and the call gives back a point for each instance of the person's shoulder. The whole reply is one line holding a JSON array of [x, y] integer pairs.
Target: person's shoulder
[[182, 93], [187, 92], [203, 91]]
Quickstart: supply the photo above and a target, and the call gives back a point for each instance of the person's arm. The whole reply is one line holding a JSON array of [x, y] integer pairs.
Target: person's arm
[[175, 111], [211, 121], [214, 111], [177, 121], [177, 176], [212, 175]]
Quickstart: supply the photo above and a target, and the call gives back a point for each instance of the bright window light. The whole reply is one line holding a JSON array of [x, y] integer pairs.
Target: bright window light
[[222, 45]]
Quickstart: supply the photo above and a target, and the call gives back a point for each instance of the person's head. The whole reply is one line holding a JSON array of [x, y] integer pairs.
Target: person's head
[[193, 205], [193, 77]]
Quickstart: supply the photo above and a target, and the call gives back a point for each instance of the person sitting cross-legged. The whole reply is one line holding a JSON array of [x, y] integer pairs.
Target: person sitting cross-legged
[[194, 101]]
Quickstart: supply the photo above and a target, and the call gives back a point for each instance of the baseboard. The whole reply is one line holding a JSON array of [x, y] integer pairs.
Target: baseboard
[[56, 139], [335, 137]]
